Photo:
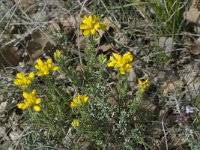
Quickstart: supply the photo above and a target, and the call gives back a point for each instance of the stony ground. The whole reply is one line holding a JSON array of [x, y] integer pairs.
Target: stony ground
[[36, 27]]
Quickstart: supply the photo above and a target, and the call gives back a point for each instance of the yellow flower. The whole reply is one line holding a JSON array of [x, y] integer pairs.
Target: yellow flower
[[30, 100], [58, 54], [75, 123], [45, 67], [123, 63], [24, 80], [91, 24], [79, 100], [143, 84]]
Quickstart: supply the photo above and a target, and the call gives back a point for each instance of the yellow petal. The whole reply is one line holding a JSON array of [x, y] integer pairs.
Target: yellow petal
[[86, 32], [28, 82], [128, 67], [117, 56], [83, 26], [37, 108], [85, 20], [112, 59], [128, 57], [93, 31], [37, 67], [97, 26], [75, 123], [73, 105], [146, 82], [20, 75], [20, 105], [89, 19], [49, 60], [78, 97], [31, 75], [86, 98], [34, 92], [16, 82], [95, 18], [111, 64], [39, 61], [23, 105], [38, 101], [40, 73], [55, 68], [46, 72], [122, 71], [140, 82], [26, 95]]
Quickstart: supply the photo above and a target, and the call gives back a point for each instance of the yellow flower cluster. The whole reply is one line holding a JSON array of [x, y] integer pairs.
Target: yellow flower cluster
[[79, 100], [45, 67], [123, 63], [30, 100], [143, 84], [75, 123], [58, 54], [91, 24], [23, 80]]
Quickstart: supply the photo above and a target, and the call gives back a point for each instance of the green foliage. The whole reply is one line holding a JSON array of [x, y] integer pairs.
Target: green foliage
[[195, 144], [166, 16], [101, 122], [196, 121], [112, 118], [160, 58]]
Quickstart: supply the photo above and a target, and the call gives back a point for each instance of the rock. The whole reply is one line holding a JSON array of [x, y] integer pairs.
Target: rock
[[1, 98], [3, 107], [191, 76], [2, 132], [14, 135], [166, 44]]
